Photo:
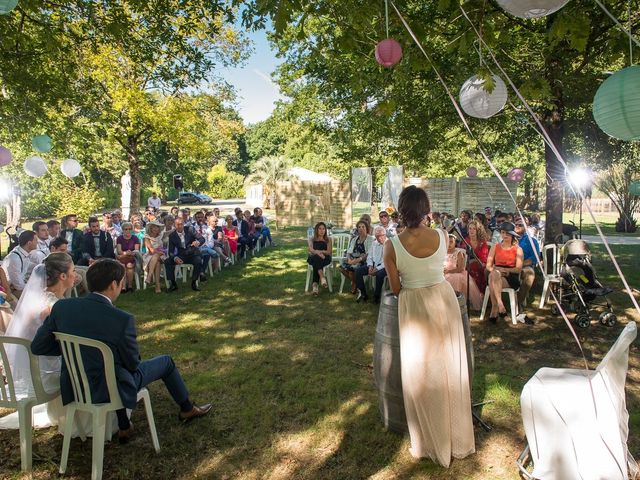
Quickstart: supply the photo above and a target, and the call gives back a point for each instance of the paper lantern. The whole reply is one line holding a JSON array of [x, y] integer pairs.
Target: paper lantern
[[70, 168], [616, 106], [531, 8], [472, 171], [478, 102], [7, 5], [5, 157], [42, 143], [388, 52], [35, 166], [516, 175]]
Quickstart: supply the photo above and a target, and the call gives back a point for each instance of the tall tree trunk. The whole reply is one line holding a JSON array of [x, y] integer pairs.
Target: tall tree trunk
[[554, 124], [134, 171]]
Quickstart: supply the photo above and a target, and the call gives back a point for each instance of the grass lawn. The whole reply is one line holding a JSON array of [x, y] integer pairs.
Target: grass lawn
[[292, 385]]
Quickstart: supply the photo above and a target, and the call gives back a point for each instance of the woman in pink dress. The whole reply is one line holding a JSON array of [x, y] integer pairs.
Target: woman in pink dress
[[478, 240], [231, 234], [456, 275]]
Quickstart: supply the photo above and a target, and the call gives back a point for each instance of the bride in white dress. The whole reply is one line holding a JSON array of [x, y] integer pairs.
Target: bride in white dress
[[47, 284]]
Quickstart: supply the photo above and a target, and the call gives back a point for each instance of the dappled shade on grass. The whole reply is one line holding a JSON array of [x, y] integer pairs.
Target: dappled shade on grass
[[291, 381]]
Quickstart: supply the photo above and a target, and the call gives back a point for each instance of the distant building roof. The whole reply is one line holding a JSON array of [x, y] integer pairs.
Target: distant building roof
[[309, 175]]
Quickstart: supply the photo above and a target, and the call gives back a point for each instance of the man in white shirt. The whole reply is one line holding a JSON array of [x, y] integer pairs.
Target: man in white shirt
[[154, 201], [385, 222], [53, 226], [374, 267], [17, 265], [38, 254]]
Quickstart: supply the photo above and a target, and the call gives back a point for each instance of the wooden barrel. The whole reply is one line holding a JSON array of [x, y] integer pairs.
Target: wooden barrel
[[386, 360]]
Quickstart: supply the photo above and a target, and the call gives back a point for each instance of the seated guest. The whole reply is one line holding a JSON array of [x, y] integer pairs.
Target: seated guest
[[221, 220], [175, 211], [73, 236], [529, 262], [53, 228], [107, 226], [254, 235], [184, 247], [185, 213], [462, 223], [320, 249], [149, 216], [504, 265], [41, 251], [59, 245], [395, 218], [214, 240], [482, 219], [116, 220], [374, 267], [264, 233], [128, 248], [436, 220], [199, 224], [95, 317], [155, 253], [537, 224], [477, 240], [496, 237], [366, 218], [97, 243], [385, 222], [244, 239], [493, 220], [169, 227], [357, 251], [138, 230], [231, 234], [17, 265], [487, 214], [456, 275]]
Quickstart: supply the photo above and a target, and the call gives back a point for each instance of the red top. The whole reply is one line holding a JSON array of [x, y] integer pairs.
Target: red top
[[481, 250], [504, 257]]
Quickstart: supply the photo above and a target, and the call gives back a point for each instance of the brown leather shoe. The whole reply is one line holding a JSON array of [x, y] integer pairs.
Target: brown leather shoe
[[125, 435], [195, 412]]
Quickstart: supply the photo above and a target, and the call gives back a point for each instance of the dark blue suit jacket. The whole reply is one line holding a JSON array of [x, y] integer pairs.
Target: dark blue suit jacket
[[93, 317]]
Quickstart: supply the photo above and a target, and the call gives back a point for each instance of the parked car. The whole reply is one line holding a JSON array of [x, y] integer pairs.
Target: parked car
[[194, 198]]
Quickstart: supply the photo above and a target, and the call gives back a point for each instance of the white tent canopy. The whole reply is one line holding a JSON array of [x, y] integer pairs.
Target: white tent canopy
[[308, 175]]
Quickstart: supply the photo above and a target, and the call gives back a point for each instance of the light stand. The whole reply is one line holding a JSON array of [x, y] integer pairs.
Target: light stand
[[470, 252]]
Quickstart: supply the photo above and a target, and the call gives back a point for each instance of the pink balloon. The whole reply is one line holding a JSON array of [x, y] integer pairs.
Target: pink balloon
[[516, 175], [472, 171], [388, 52], [5, 157]]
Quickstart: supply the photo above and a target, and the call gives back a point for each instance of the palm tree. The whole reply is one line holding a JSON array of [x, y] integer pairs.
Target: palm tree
[[267, 171]]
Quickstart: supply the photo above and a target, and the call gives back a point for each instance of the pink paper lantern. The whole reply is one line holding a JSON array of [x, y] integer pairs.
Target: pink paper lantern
[[516, 175], [388, 52], [5, 157], [472, 171]]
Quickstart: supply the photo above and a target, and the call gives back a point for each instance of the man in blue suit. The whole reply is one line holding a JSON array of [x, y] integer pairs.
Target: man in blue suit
[[95, 317]]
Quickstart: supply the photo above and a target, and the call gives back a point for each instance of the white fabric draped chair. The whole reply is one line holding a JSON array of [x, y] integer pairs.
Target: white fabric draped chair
[[576, 421]]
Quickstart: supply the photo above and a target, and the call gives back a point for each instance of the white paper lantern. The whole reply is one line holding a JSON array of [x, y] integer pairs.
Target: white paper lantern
[[532, 8], [35, 166], [70, 168], [478, 102]]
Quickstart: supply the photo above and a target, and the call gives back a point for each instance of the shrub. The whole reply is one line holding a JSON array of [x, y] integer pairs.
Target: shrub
[[82, 200], [223, 183]]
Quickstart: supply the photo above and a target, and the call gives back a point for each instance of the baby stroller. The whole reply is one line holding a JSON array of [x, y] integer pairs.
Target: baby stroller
[[579, 286]]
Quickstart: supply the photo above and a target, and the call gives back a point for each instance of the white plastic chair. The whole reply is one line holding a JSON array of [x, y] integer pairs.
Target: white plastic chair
[[328, 274], [551, 270], [513, 303], [24, 405], [340, 245], [71, 348], [576, 420], [183, 271]]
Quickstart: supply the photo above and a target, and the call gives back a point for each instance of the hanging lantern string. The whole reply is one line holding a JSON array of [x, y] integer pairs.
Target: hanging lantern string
[[493, 168], [620, 26], [386, 15], [629, 28], [496, 173], [562, 162]]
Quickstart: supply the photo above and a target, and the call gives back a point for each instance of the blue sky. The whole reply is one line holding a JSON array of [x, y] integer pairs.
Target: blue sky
[[256, 91]]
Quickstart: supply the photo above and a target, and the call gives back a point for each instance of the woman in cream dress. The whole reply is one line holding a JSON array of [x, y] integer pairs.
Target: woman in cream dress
[[435, 379]]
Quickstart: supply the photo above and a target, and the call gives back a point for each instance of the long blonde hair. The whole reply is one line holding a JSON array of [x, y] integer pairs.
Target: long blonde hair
[[481, 232]]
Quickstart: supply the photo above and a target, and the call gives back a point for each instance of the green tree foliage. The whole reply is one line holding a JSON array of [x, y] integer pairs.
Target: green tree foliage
[[224, 183], [401, 115], [108, 77]]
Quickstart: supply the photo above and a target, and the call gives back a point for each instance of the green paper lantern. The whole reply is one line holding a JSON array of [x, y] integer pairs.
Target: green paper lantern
[[634, 188], [7, 5], [41, 143], [616, 106]]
